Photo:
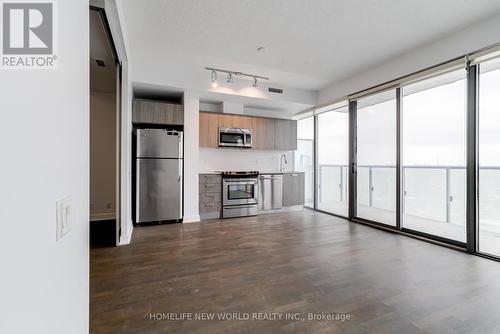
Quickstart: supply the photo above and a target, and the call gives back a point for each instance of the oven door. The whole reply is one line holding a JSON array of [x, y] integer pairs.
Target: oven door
[[231, 138], [240, 191]]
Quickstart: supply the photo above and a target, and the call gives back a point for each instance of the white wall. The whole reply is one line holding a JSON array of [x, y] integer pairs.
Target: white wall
[[44, 149], [102, 155], [217, 159], [284, 114], [126, 156], [219, 107], [191, 151], [232, 107], [462, 42]]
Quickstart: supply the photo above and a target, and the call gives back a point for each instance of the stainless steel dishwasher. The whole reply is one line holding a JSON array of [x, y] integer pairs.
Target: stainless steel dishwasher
[[271, 191]]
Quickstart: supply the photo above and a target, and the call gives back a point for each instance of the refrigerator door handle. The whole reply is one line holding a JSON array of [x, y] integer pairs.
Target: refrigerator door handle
[[179, 172], [180, 139], [181, 194]]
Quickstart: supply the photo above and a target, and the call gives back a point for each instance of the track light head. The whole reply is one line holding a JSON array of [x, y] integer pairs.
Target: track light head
[[230, 78], [213, 79], [255, 82]]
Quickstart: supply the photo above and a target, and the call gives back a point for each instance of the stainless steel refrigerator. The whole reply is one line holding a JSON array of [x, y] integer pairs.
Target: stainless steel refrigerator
[[159, 166]]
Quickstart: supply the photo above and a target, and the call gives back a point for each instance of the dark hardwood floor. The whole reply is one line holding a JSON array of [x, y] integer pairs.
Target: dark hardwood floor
[[293, 263]]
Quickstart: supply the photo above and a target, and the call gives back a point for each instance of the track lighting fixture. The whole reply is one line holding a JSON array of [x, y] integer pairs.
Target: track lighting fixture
[[214, 79], [230, 76]]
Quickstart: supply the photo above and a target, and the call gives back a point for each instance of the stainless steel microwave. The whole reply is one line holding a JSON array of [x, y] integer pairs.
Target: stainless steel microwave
[[235, 137]]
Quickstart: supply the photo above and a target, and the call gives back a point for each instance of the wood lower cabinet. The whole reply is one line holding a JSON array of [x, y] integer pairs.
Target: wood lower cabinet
[[285, 135], [293, 189], [209, 129], [154, 112], [235, 121], [210, 196], [263, 133]]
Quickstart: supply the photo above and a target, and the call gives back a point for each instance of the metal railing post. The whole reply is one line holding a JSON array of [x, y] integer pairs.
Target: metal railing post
[[447, 194], [320, 177], [403, 194], [370, 186], [341, 184]]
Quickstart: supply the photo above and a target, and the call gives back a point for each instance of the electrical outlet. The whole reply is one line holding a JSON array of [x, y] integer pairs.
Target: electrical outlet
[[63, 219], [108, 205]]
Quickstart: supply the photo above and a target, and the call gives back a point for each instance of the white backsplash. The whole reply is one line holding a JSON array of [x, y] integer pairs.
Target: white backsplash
[[227, 159]]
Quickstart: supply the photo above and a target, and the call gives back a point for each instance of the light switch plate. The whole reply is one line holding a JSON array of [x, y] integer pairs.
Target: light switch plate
[[63, 223]]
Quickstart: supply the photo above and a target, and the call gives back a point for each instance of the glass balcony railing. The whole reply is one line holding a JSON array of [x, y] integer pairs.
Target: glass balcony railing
[[432, 196], [430, 192], [332, 189], [427, 190]]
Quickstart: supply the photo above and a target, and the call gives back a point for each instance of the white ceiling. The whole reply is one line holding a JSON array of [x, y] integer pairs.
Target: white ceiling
[[309, 43], [283, 109]]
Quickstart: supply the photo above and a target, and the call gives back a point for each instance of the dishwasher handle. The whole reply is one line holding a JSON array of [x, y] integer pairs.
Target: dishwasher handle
[[270, 177]]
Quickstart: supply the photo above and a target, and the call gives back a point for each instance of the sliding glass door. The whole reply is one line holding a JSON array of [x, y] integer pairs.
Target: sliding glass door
[[434, 156], [489, 158], [333, 155], [423, 158], [304, 157], [376, 158]]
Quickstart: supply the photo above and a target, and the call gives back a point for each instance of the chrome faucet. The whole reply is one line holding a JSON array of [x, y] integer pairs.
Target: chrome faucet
[[282, 168]]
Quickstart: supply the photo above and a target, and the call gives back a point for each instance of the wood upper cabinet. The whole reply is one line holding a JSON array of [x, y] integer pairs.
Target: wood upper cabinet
[[263, 130], [209, 129], [154, 112], [235, 121], [268, 133], [285, 135]]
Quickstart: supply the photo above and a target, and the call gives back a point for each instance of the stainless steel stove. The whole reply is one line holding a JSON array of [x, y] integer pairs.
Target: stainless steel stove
[[240, 194]]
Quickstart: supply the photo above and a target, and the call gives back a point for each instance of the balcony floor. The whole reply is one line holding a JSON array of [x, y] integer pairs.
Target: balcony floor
[[489, 233]]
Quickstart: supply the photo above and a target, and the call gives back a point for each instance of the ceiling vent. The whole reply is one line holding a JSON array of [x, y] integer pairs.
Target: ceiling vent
[[275, 90], [100, 62]]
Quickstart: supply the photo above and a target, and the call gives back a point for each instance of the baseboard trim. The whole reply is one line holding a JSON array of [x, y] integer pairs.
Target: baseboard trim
[[125, 240], [191, 219], [209, 215]]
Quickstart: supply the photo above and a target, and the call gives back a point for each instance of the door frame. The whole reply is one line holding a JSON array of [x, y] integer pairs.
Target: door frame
[[118, 123]]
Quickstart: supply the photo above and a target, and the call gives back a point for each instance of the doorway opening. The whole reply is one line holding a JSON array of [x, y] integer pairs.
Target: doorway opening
[[105, 111]]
